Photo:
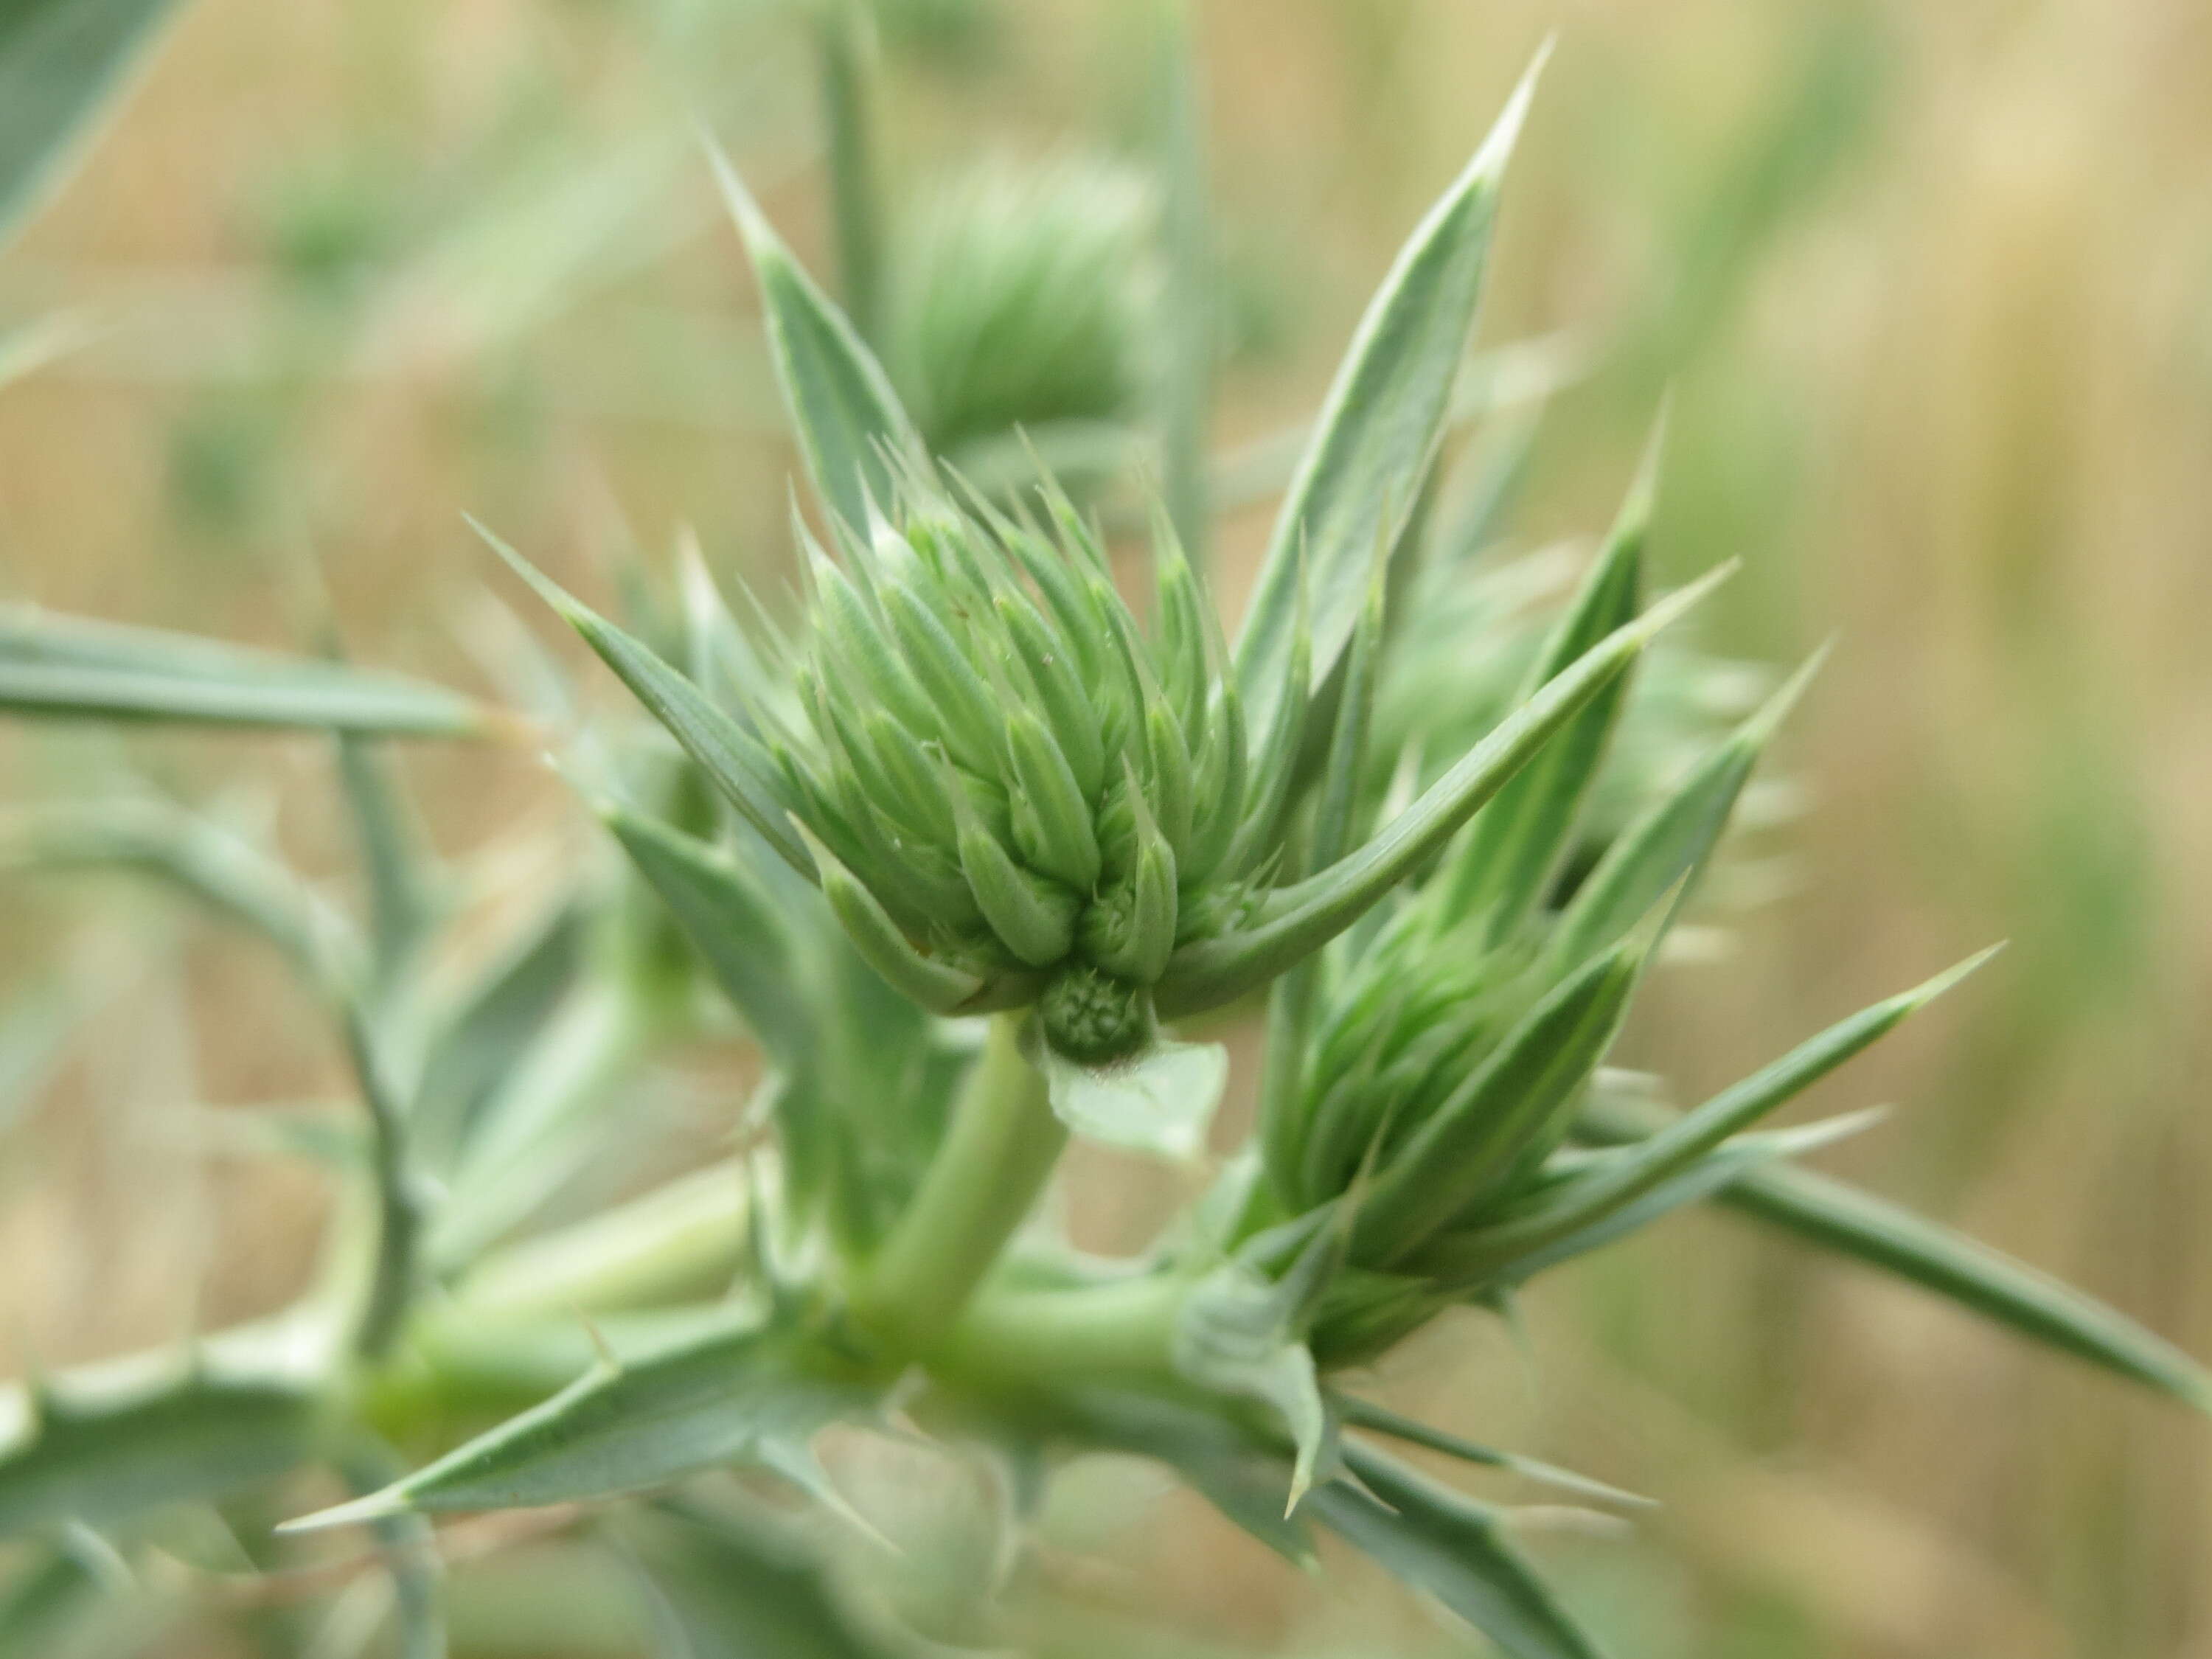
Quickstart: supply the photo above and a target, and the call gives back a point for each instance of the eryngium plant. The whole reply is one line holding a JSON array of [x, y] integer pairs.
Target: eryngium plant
[[961, 849]]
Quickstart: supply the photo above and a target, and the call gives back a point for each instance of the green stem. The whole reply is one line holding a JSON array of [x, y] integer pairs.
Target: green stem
[[1121, 1330], [395, 1268], [996, 1156]]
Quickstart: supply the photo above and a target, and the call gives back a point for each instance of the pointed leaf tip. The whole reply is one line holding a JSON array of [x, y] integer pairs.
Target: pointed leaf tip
[[1921, 995], [377, 1506], [563, 602], [1504, 133], [752, 224]]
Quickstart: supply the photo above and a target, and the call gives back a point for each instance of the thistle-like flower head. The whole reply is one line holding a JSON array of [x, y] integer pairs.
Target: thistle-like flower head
[[987, 748]]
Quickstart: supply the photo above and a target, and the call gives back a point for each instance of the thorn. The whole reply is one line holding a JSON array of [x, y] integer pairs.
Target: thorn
[[608, 1360]]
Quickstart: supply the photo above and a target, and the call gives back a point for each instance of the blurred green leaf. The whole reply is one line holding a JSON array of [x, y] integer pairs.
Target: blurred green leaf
[[95, 1453], [402, 880], [482, 1039], [59, 60], [735, 1589], [1379, 428], [52, 664], [199, 858]]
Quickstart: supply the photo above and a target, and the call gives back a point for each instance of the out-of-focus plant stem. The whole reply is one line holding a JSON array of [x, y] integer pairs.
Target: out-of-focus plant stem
[[996, 1158]]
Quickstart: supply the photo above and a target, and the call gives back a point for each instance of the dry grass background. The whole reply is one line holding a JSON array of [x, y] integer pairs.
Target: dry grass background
[[1934, 285]]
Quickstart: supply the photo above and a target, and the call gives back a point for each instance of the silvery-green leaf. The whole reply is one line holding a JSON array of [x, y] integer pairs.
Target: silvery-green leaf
[[841, 32], [1673, 840], [96, 1452], [1835, 1215], [703, 1402], [734, 925], [1476, 1265], [842, 403], [481, 1039], [1159, 1101], [1513, 848], [1453, 1547], [1299, 920], [731, 756], [1379, 428], [53, 664], [1365, 1414], [1587, 1199], [59, 61]]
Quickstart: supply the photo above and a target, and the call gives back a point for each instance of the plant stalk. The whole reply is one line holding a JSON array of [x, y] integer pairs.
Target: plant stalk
[[995, 1158], [1123, 1330]]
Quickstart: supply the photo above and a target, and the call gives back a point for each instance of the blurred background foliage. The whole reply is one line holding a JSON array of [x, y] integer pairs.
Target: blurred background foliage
[[1933, 287]]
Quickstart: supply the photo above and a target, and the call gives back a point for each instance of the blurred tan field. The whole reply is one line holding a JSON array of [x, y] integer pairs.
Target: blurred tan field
[[1932, 287]]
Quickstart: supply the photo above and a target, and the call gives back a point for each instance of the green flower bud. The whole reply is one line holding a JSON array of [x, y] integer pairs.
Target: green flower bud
[[990, 746], [1094, 1017]]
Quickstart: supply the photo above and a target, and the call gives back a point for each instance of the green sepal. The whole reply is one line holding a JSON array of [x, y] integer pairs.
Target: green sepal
[[1041, 783], [966, 713], [1032, 917], [936, 986], [1132, 929]]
